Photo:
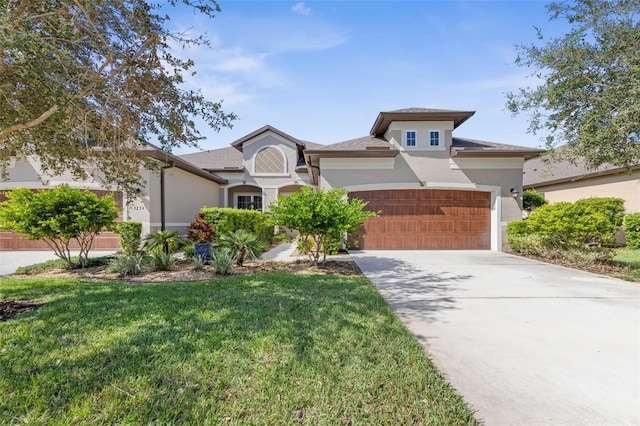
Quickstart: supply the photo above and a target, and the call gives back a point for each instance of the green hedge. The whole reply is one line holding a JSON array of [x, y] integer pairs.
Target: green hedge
[[588, 221], [227, 220], [632, 230]]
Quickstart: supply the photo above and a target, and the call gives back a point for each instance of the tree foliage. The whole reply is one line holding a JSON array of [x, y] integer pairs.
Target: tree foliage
[[590, 92], [531, 200], [82, 82], [58, 216], [324, 217]]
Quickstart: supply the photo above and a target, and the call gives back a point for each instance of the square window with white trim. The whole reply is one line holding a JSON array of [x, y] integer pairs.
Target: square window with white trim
[[434, 138], [410, 139]]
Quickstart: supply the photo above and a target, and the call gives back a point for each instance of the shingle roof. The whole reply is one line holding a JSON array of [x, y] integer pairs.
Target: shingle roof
[[547, 170], [474, 147], [216, 159], [153, 151], [385, 118], [363, 143], [230, 158]]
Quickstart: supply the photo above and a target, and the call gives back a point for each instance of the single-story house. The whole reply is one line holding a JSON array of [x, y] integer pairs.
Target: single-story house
[[170, 199], [433, 190], [561, 180]]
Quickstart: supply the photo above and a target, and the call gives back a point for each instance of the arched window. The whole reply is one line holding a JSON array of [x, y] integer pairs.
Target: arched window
[[270, 160]]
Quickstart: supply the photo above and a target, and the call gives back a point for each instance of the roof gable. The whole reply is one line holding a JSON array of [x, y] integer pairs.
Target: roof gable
[[240, 142]]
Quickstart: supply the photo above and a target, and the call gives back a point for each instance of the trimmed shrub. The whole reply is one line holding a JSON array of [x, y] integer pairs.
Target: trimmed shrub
[[130, 236], [632, 230], [564, 230], [583, 222], [531, 200], [612, 207], [227, 220]]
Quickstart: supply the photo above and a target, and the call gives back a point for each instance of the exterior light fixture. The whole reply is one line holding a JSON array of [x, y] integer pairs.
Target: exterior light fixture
[[515, 192]]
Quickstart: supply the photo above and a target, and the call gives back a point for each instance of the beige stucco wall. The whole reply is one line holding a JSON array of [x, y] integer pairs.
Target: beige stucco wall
[[624, 185], [267, 185], [397, 131], [185, 195]]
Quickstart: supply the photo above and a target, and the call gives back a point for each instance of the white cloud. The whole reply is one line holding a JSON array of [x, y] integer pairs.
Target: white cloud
[[235, 60], [301, 9]]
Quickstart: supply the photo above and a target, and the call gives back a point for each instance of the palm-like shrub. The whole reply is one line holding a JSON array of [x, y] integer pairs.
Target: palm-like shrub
[[244, 245], [163, 241]]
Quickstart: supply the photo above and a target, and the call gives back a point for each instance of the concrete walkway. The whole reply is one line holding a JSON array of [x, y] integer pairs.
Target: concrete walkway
[[524, 342], [12, 260]]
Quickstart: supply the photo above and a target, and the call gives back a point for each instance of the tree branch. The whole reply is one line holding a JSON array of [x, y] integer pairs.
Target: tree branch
[[29, 124]]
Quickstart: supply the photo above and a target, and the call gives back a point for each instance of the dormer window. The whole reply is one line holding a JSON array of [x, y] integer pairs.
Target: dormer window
[[434, 138], [410, 139]]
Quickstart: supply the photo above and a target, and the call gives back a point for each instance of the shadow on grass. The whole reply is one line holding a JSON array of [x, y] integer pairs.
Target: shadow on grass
[[93, 339]]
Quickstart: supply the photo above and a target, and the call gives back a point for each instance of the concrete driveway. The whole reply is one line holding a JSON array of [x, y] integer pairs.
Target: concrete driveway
[[524, 342], [11, 260]]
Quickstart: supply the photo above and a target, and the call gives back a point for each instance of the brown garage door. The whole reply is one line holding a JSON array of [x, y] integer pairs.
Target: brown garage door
[[104, 241], [426, 219]]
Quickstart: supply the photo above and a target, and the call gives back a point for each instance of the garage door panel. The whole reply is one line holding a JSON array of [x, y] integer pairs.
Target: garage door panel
[[401, 226], [427, 219]]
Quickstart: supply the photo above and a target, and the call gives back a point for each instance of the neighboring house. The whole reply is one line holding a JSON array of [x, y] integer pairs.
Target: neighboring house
[[433, 191], [162, 204], [560, 180]]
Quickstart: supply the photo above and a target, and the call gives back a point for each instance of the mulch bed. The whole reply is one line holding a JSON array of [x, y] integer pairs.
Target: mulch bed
[[596, 268], [182, 272], [12, 308]]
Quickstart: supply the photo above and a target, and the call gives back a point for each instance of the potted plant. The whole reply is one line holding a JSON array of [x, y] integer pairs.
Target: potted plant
[[201, 233]]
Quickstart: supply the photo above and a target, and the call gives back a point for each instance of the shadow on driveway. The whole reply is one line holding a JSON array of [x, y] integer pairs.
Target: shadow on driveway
[[414, 293]]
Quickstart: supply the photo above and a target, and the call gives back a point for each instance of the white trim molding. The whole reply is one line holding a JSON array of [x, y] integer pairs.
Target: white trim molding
[[387, 163], [486, 163]]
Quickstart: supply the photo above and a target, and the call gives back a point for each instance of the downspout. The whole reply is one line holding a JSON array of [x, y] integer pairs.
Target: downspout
[[163, 223]]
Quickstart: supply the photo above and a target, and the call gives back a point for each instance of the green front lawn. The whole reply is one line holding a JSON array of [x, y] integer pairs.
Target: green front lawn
[[269, 348], [631, 259]]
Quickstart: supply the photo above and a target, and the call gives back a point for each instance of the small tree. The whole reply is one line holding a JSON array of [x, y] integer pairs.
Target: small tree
[[58, 216], [324, 217]]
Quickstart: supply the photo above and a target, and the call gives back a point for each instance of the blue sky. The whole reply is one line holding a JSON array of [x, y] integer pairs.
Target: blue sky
[[322, 70]]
